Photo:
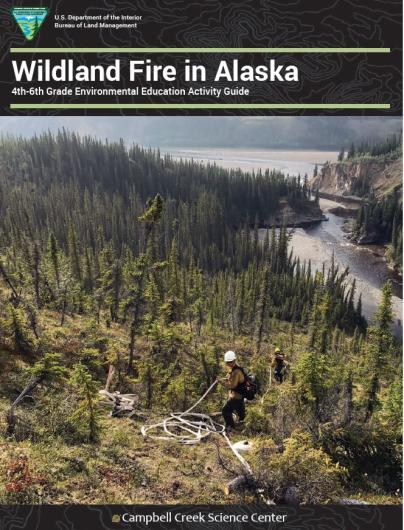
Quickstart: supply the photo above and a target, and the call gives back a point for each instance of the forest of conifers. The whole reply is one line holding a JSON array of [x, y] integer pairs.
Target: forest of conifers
[[117, 256]]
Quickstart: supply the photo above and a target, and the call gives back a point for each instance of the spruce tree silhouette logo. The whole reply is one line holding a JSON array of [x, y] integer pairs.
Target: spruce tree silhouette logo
[[29, 19]]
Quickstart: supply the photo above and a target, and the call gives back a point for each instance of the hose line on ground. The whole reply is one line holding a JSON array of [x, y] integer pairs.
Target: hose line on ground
[[190, 428]]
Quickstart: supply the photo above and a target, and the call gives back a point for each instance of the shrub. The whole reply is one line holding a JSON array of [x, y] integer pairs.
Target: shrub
[[372, 455], [301, 468], [17, 330], [256, 421], [22, 484], [278, 413], [51, 420]]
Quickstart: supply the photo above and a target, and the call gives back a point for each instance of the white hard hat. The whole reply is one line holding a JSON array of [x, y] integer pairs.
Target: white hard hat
[[229, 356]]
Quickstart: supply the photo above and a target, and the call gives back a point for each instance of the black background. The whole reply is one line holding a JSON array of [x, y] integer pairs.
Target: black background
[[332, 78], [302, 518]]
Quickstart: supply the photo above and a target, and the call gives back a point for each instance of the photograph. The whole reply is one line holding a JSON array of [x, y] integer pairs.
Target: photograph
[[201, 310]]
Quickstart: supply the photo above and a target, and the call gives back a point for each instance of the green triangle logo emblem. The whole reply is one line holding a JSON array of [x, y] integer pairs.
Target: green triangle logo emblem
[[29, 19]]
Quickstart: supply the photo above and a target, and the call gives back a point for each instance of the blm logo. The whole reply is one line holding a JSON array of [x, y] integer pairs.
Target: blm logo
[[29, 19]]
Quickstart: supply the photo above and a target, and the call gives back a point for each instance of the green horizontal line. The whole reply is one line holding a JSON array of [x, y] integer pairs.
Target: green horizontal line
[[199, 106], [200, 50]]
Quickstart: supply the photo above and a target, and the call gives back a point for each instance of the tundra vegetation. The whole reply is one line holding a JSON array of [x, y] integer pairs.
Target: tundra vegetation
[[117, 256]]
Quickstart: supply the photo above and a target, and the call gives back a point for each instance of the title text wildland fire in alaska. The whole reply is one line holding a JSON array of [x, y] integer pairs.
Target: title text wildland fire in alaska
[[146, 70]]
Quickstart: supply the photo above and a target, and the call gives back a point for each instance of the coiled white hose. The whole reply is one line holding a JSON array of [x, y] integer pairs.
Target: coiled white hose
[[190, 428]]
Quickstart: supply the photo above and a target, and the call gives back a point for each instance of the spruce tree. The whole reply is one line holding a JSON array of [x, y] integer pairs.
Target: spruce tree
[[150, 218], [48, 369], [74, 254], [351, 151], [379, 348], [86, 416], [262, 308], [53, 255]]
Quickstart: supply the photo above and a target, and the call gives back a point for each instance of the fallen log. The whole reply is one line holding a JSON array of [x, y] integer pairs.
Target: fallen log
[[122, 404], [10, 415]]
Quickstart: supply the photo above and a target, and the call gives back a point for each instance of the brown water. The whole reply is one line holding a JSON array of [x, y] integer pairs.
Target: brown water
[[290, 162], [318, 242]]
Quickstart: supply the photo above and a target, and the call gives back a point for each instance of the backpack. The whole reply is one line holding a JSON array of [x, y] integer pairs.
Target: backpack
[[249, 388]]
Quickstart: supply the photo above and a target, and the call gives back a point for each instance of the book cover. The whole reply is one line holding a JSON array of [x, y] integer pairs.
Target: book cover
[[201, 264]]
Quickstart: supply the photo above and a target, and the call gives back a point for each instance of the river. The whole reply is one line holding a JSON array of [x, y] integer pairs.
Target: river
[[320, 241], [287, 161]]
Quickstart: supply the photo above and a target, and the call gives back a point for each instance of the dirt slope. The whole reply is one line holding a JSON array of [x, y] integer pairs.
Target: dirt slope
[[339, 178]]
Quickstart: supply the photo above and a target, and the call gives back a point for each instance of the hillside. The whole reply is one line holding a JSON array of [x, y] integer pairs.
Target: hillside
[[116, 260], [50, 460], [51, 465], [357, 178]]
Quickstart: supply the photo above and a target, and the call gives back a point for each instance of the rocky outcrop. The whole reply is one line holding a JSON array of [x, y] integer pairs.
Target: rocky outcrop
[[342, 178], [341, 211], [287, 216]]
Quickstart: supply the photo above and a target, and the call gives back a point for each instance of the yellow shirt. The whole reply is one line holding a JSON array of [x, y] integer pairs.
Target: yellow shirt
[[233, 379]]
